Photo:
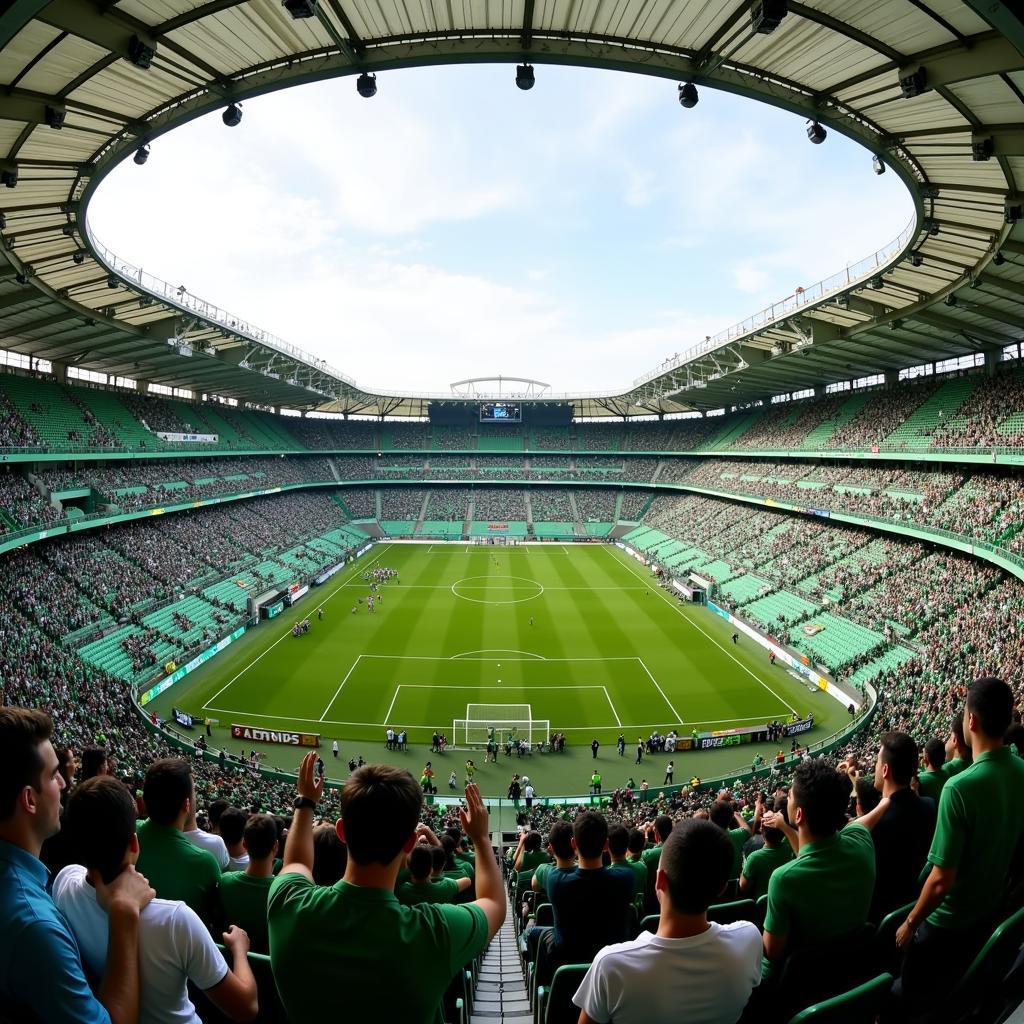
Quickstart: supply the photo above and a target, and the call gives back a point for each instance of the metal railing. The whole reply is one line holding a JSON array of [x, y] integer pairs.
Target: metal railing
[[801, 299]]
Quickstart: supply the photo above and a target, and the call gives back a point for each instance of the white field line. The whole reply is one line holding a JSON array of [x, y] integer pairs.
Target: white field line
[[618, 721], [650, 676], [428, 657], [330, 703], [394, 699], [334, 593], [675, 607]]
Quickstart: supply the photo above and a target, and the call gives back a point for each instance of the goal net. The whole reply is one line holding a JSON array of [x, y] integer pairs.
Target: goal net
[[515, 720]]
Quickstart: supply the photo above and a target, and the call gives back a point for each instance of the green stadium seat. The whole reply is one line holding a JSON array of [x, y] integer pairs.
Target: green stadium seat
[[554, 1002], [859, 1005], [729, 913]]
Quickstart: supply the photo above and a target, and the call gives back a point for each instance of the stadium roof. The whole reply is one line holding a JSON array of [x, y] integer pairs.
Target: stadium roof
[[935, 87]]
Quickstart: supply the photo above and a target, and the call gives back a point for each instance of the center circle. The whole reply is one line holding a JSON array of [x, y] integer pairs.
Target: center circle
[[483, 584]]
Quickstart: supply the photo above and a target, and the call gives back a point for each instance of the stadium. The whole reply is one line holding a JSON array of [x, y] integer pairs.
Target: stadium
[[785, 564]]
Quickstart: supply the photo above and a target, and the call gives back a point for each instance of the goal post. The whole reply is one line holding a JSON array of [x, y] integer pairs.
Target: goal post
[[504, 719]]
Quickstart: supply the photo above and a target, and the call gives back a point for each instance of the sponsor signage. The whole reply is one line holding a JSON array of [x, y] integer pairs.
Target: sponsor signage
[[180, 673], [190, 438], [296, 593], [328, 573], [289, 739]]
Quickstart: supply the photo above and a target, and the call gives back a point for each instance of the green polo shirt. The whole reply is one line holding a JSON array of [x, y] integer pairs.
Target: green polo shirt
[[364, 944], [954, 767], [738, 837], [639, 869], [651, 857], [532, 859], [759, 867], [245, 904], [177, 869], [825, 891], [441, 890], [930, 784], [980, 822]]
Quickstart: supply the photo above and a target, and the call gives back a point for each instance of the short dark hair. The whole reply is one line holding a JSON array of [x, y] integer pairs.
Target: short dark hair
[[215, 810], [100, 819], [935, 751], [22, 731], [618, 840], [775, 835], [421, 862], [448, 845], [956, 727], [722, 814], [260, 835], [168, 785], [330, 856], [232, 825], [380, 806], [560, 839], [867, 796], [822, 794], [438, 859], [637, 841], [590, 830], [533, 841], [990, 700], [899, 752], [663, 826], [697, 859], [93, 760]]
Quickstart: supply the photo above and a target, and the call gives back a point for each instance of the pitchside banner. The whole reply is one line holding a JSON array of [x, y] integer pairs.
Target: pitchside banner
[[290, 739]]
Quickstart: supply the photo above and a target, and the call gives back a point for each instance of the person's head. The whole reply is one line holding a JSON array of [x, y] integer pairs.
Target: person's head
[[722, 814], [662, 825], [168, 791], [897, 760], [217, 808], [618, 841], [532, 842], [329, 855], [818, 798], [421, 863], [560, 840], [935, 754], [100, 820], [67, 764], [260, 836], [956, 733], [1014, 737], [867, 795], [637, 842], [380, 806], [589, 834], [694, 867], [30, 779], [94, 762], [232, 826], [437, 860], [448, 845], [774, 836], [989, 710]]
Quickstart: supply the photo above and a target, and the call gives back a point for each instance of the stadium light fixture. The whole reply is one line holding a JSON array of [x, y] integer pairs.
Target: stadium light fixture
[[3, 221], [141, 52], [950, 300], [78, 258], [141, 154], [112, 282], [816, 133], [232, 116], [366, 85], [766, 15], [878, 164], [688, 95], [524, 76], [999, 259], [915, 259], [300, 8], [9, 177], [55, 117]]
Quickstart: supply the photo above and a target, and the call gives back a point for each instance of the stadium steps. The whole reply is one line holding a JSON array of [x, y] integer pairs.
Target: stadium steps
[[743, 589], [839, 643], [939, 409], [377, 500], [766, 610], [500, 995], [732, 432], [529, 510], [576, 517], [886, 662], [819, 436], [111, 413]]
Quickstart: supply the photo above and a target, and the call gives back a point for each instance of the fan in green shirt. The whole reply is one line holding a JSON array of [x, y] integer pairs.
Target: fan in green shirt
[[738, 829], [244, 893], [931, 780], [662, 828], [355, 937], [421, 888], [760, 865], [618, 847]]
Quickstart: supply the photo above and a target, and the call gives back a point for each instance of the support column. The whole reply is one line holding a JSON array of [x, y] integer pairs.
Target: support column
[[60, 371]]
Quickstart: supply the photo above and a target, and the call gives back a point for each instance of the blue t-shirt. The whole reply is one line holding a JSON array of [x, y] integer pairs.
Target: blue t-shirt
[[591, 908], [40, 964]]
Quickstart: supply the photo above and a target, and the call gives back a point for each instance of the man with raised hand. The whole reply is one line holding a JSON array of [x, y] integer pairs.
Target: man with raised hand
[[355, 937], [41, 971]]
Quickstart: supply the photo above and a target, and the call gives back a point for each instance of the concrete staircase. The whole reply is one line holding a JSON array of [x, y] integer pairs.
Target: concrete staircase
[[500, 994]]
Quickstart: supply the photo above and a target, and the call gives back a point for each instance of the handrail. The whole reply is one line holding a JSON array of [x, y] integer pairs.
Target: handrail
[[801, 298]]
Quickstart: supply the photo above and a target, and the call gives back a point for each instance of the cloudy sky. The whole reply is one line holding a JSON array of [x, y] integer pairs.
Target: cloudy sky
[[454, 226]]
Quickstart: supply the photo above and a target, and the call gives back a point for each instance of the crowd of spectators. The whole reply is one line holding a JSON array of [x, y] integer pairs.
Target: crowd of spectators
[[450, 504], [323, 433], [991, 415], [401, 503], [508, 503], [22, 505], [552, 504]]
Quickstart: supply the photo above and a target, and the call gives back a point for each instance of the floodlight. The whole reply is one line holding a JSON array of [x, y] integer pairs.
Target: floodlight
[[950, 300], [3, 221], [765, 15], [1013, 212], [878, 164], [55, 116], [999, 259], [915, 259], [366, 85], [21, 277], [140, 52], [232, 117], [688, 95], [524, 76], [9, 177], [913, 83], [816, 133], [141, 154], [982, 148], [878, 283], [300, 8], [78, 258], [112, 282]]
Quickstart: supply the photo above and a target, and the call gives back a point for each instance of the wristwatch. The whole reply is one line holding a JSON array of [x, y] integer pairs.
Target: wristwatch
[[303, 801]]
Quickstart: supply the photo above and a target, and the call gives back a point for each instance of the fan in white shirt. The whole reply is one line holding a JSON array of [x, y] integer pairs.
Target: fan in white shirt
[[206, 841], [232, 828], [174, 944], [702, 971]]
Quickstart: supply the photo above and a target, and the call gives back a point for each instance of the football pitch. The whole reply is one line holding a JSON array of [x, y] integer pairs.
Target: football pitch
[[580, 634]]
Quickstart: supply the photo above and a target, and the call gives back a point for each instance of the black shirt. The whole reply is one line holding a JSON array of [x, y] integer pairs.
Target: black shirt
[[591, 908], [902, 840]]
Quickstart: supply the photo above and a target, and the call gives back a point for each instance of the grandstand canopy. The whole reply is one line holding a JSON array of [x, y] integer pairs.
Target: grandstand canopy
[[934, 87]]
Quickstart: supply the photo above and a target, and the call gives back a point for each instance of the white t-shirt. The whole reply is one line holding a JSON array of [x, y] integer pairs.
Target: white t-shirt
[[705, 979], [239, 863], [174, 947], [208, 841]]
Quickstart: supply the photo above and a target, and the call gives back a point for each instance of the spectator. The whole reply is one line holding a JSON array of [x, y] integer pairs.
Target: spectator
[[825, 892], [958, 749], [980, 823], [356, 936], [618, 848], [903, 834], [690, 966], [933, 778], [213, 844], [560, 846], [244, 893], [421, 888], [40, 965], [736, 827], [176, 869], [591, 903], [174, 945], [635, 860], [760, 865], [529, 855], [94, 762], [330, 855], [232, 831], [662, 828]]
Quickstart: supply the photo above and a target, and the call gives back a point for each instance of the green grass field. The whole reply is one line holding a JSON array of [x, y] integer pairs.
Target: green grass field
[[608, 652]]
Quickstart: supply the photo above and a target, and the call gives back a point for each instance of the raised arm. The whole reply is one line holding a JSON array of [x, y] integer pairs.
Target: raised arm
[[298, 847], [490, 894]]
